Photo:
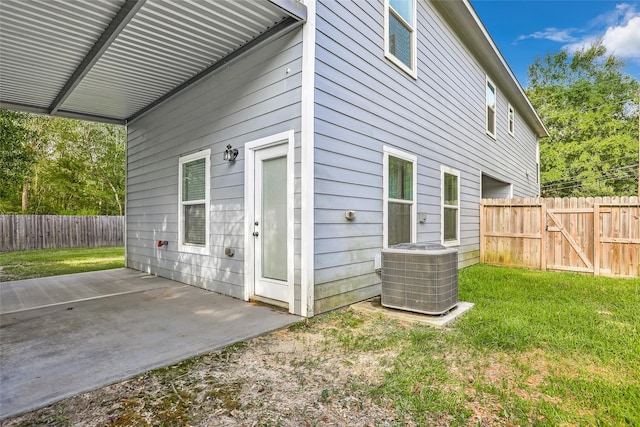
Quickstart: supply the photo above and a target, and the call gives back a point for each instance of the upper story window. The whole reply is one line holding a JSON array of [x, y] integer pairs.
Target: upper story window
[[193, 196], [399, 199], [400, 34], [491, 109], [511, 120]]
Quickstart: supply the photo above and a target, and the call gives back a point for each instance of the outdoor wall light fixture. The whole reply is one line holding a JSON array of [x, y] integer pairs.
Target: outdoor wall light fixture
[[230, 154]]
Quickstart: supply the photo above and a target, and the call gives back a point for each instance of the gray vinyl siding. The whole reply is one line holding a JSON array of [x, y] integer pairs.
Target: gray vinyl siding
[[255, 97], [364, 102]]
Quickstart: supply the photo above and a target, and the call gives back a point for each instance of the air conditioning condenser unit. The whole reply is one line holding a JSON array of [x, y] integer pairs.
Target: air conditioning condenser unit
[[420, 277]]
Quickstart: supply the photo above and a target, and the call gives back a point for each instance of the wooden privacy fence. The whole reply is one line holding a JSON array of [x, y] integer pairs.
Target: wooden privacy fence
[[598, 235], [26, 232]]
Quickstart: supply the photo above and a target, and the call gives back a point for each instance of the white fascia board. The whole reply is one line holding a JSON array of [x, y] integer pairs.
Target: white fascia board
[[294, 8]]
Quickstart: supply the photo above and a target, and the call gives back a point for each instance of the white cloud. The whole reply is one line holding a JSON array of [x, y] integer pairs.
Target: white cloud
[[583, 43], [553, 34], [619, 30], [622, 13], [624, 40]]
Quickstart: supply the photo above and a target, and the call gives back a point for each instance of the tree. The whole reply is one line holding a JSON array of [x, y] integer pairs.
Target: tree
[[78, 168], [590, 108], [16, 156], [82, 169]]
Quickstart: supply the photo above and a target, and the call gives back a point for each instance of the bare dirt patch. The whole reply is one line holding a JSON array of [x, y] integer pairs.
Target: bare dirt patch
[[288, 378], [343, 369]]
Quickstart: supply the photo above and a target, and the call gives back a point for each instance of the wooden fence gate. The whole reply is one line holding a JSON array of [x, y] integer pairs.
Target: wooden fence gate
[[599, 236]]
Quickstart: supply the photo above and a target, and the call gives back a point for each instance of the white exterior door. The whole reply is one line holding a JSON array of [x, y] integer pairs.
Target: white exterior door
[[270, 226]]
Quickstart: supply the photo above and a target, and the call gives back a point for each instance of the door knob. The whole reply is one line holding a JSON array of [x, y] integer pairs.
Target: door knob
[[255, 234]]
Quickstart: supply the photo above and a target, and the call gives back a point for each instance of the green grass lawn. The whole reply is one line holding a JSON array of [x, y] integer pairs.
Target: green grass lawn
[[538, 348], [573, 341], [52, 262]]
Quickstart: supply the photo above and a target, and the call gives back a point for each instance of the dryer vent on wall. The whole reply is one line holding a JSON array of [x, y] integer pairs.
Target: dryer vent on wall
[[420, 277]]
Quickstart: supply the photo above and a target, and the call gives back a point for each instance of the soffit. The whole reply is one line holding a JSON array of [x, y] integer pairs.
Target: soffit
[[111, 60]]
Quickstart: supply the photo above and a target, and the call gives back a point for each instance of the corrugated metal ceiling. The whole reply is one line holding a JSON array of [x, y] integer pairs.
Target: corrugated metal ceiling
[[71, 58]]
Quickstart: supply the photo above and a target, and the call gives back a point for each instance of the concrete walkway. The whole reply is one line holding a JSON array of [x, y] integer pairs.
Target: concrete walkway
[[64, 335]]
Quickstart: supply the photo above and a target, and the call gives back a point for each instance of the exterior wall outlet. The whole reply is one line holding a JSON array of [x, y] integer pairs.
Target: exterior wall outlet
[[422, 217], [377, 264], [229, 251], [350, 215]]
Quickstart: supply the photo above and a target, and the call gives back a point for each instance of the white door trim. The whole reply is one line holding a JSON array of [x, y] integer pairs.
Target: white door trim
[[249, 208]]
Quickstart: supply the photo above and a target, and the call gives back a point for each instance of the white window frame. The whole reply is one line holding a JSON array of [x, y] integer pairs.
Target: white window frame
[[511, 120], [538, 165], [486, 108], [449, 171], [412, 71], [191, 248], [389, 151]]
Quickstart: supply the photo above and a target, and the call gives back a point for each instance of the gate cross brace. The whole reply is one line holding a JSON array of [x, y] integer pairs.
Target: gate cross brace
[[570, 239]]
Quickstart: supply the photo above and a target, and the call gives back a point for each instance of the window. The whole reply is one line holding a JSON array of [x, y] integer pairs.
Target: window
[[538, 164], [399, 197], [491, 109], [193, 209], [511, 120], [450, 228], [400, 34]]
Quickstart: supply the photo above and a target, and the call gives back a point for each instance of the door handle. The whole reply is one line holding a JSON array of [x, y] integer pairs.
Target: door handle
[[255, 234]]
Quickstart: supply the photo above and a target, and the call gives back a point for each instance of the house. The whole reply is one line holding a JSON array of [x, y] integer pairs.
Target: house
[[276, 147]]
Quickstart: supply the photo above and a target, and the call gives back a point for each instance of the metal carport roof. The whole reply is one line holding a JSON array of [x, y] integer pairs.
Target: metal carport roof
[[113, 60]]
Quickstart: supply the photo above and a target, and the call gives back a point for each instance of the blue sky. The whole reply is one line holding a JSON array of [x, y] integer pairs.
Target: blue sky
[[524, 29]]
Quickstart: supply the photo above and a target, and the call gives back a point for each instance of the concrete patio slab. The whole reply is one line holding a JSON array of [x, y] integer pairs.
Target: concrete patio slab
[[141, 323], [373, 306], [45, 291]]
